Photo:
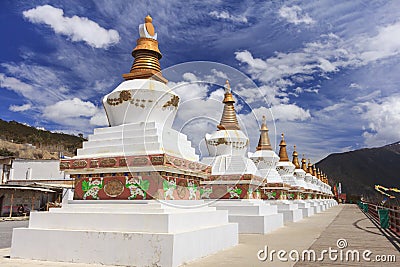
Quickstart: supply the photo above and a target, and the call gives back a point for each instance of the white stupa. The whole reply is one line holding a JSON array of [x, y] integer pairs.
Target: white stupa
[[228, 146], [285, 168], [266, 161], [110, 219], [300, 174], [235, 179]]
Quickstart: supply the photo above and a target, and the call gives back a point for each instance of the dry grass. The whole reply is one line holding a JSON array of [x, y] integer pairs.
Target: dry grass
[[28, 152]]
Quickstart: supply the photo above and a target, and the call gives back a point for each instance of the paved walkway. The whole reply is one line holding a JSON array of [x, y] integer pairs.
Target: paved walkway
[[6, 231], [299, 236], [360, 234], [318, 232]]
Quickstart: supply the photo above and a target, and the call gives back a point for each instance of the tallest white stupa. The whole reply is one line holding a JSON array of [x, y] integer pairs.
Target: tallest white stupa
[[141, 110]]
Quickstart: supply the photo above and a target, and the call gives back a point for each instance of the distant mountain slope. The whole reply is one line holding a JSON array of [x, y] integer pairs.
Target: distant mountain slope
[[42, 140], [360, 170]]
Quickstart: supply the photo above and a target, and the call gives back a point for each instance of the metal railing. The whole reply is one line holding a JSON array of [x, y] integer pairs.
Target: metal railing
[[378, 212]]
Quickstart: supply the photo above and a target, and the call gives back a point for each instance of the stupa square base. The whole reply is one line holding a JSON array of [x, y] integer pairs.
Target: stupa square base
[[291, 215], [307, 212], [305, 207], [257, 224], [128, 233], [121, 248], [315, 206], [253, 215], [289, 210]]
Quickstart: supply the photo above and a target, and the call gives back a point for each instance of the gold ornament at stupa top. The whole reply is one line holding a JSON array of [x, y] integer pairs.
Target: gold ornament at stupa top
[[319, 174], [264, 142], [310, 168], [228, 119], [304, 164], [283, 156], [295, 160], [146, 53]]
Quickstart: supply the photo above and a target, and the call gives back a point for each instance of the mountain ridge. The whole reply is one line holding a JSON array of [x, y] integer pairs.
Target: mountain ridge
[[360, 170], [21, 140]]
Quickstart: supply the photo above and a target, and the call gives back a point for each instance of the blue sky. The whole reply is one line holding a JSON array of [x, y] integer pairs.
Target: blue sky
[[328, 70]]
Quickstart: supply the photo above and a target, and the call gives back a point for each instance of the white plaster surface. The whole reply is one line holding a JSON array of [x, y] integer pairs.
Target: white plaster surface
[[122, 233], [137, 139], [253, 216], [148, 103], [266, 161]]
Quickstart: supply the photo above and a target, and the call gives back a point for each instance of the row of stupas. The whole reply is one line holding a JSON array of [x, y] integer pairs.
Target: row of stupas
[[140, 156], [133, 178]]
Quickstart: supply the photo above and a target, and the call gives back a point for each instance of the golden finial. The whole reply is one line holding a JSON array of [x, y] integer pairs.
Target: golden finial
[[263, 142], [227, 87], [264, 124], [304, 163], [228, 119], [282, 151], [148, 19], [295, 160], [314, 171], [147, 55], [149, 26], [310, 167]]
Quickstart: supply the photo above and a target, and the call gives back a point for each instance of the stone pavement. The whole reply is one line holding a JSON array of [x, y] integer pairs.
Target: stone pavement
[[318, 232], [360, 234], [298, 235], [6, 231]]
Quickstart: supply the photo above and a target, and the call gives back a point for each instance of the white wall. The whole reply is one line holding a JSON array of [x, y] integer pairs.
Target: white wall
[[23, 169], [1, 173]]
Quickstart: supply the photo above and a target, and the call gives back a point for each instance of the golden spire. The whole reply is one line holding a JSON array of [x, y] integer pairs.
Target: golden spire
[[310, 168], [315, 171], [282, 151], [318, 174], [295, 160], [228, 119], [146, 54], [149, 25], [264, 143], [304, 163]]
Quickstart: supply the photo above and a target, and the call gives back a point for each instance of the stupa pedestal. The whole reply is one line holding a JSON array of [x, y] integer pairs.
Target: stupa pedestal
[[289, 210], [285, 168], [129, 233], [253, 216], [235, 180], [274, 188], [113, 217]]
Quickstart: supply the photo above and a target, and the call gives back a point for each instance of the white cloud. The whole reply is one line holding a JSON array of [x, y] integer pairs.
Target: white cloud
[[75, 112], [383, 120], [290, 112], [295, 15], [99, 118], [355, 85], [327, 55], [385, 44], [225, 15], [21, 108], [371, 96], [40, 82], [76, 28], [298, 90], [15, 85]]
